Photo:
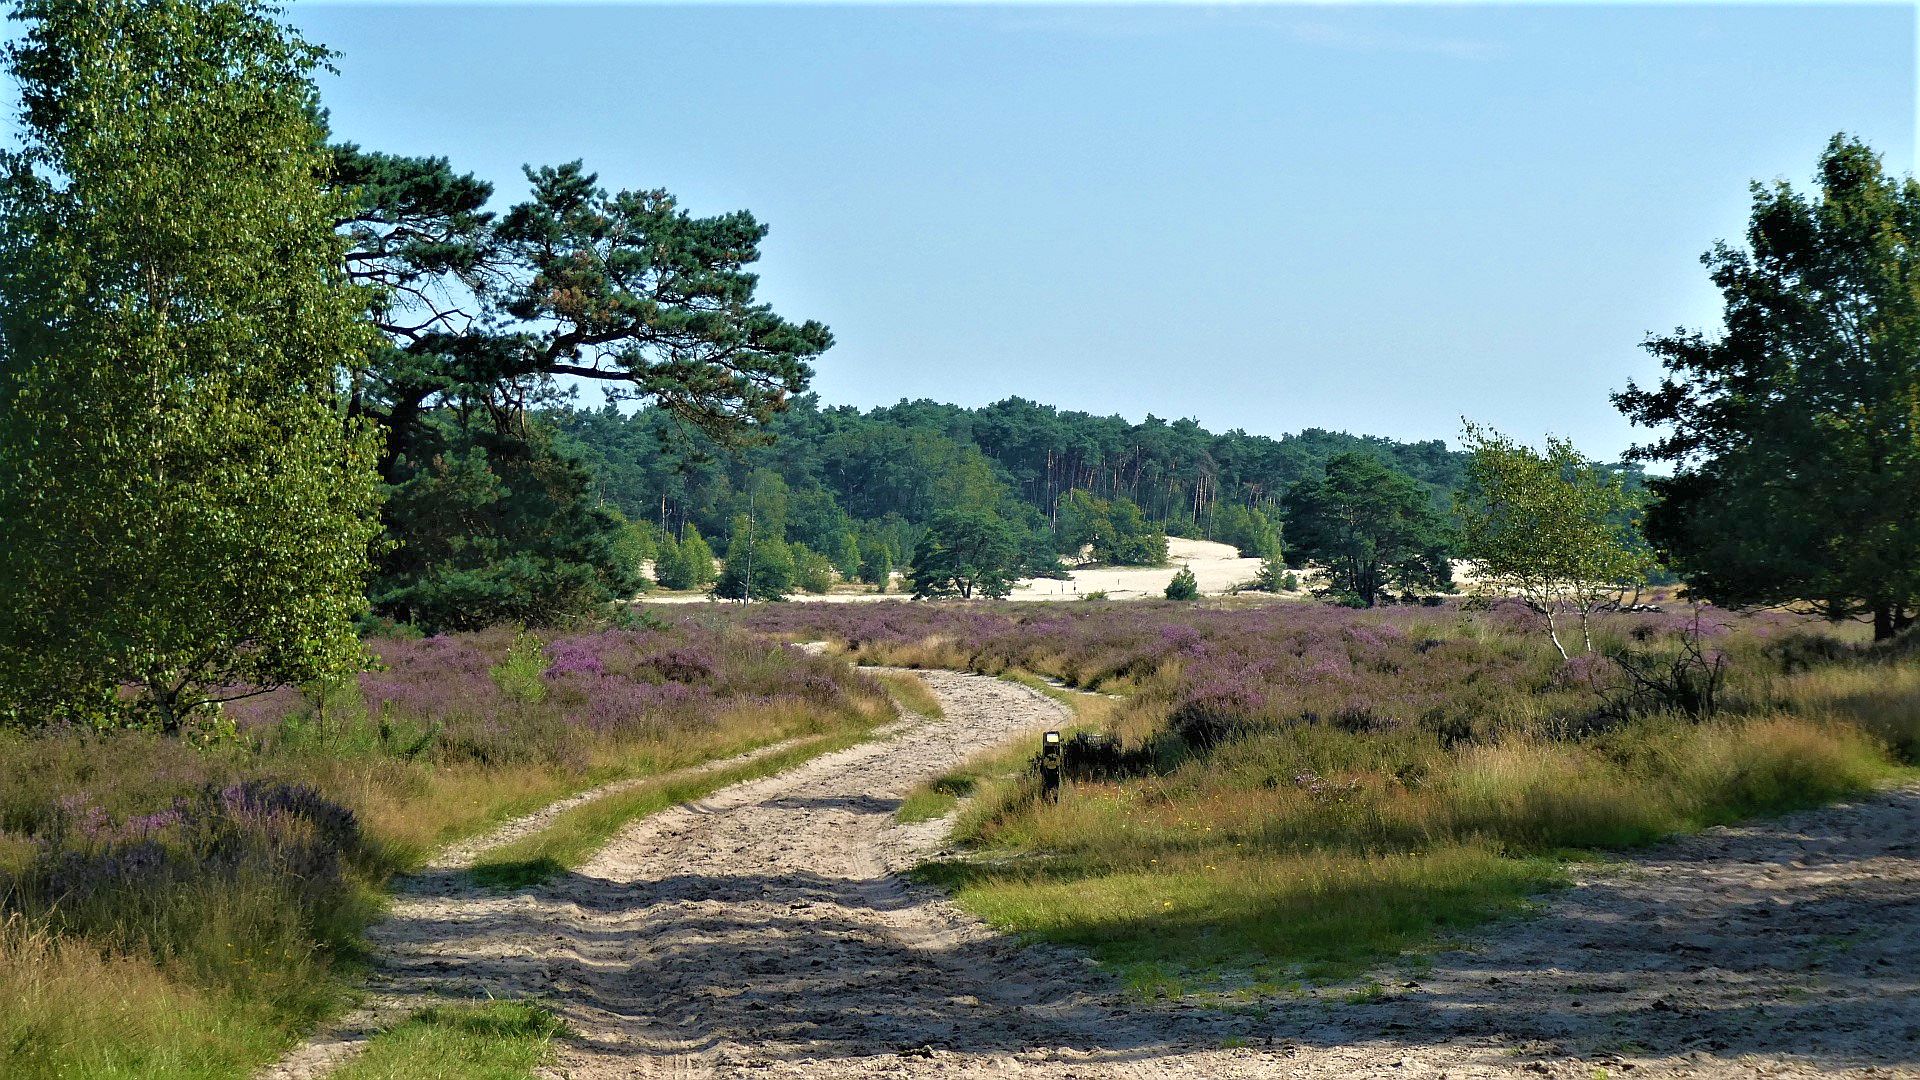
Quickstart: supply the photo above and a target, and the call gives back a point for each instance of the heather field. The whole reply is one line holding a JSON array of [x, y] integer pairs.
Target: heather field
[[1303, 790], [185, 908]]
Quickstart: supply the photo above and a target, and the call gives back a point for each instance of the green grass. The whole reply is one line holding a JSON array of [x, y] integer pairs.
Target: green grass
[[575, 835], [1252, 923], [1212, 879], [498, 1040]]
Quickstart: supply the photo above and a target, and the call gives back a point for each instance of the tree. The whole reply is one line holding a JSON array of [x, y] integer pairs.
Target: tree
[[1247, 529], [1371, 527], [696, 561], [185, 507], [499, 528], [964, 553], [670, 570], [812, 571], [1793, 434], [758, 566], [1111, 531], [846, 555], [481, 312], [876, 563], [1184, 585], [624, 288], [1552, 529]]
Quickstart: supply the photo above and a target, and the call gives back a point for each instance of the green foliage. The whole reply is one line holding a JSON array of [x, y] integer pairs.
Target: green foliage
[[965, 553], [185, 507], [1373, 528], [1115, 532], [637, 544], [812, 571], [519, 675], [1274, 577], [494, 528], [758, 566], [1248, 529], [893, 468], [669, 570], [697, 558], [846, 555], [623, 288], [1553, 529], [876, 564], [1183, 586], [1797, 458]]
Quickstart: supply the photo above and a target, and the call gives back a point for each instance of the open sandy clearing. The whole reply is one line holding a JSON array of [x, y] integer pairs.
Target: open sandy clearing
[[761, 933], [1218, 568]]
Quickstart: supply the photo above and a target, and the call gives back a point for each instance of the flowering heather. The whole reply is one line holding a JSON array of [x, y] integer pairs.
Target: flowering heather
[[249, 864], [1213, 669]]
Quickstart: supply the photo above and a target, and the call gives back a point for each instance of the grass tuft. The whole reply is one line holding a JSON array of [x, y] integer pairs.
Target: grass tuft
[[497, 1040]]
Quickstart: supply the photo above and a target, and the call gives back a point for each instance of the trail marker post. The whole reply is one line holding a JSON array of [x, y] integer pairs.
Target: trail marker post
[[1050, 767]]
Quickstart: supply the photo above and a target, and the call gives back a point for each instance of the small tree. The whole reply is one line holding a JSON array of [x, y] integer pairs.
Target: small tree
[[1184, 585], [876, 563], [669, 568], [846, 555], [1552, 529], [812, 571], [697, 559], [964, 553], [758, 566], [1274, 577]]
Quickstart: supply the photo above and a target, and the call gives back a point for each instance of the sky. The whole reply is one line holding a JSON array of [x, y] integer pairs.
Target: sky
[[1374, 219]]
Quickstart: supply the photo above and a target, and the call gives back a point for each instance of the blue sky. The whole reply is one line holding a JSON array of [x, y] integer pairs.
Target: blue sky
[[1366, 218]]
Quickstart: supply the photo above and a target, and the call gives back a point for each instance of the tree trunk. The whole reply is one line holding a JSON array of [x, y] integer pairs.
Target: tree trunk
[[1553, 632], [1883, 621]]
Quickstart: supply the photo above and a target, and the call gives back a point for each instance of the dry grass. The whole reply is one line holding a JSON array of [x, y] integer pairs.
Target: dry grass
[[911, 692]]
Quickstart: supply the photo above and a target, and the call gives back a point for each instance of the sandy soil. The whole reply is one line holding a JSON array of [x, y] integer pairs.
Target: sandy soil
[[763, 932], [1217, 567]]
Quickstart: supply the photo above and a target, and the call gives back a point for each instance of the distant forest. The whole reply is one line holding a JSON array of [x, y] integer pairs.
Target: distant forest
[[829, 470]]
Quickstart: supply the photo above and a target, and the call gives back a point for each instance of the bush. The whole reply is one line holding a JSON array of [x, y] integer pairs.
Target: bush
[[812, 571], [1184, 585]]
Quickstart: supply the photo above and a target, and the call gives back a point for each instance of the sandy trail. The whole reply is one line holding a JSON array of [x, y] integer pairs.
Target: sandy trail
[[763, 932]]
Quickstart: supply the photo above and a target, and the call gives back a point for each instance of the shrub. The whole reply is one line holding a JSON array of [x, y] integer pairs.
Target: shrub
[[1184, 585]]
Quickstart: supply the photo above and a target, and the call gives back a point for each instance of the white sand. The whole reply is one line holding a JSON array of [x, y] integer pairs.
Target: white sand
[[1217, 567]]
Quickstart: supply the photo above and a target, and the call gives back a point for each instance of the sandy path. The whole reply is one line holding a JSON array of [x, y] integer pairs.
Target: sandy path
[[761, 933], [393, 995]]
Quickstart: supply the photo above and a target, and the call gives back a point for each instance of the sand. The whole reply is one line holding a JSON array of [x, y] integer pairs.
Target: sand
[[1217, 567]]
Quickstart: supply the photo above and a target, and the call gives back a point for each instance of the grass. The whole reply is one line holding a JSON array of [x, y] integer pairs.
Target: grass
[[1314, 792], [1191, 881], [912, 692], [68, 1009], [576, 834], [1249, 922], [497, 1040]]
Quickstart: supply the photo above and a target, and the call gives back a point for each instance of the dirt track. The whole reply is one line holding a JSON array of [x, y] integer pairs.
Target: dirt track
[[761, 933]]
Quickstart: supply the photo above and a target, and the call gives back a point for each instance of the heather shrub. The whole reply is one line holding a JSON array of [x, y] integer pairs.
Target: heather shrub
[[238, 875]]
